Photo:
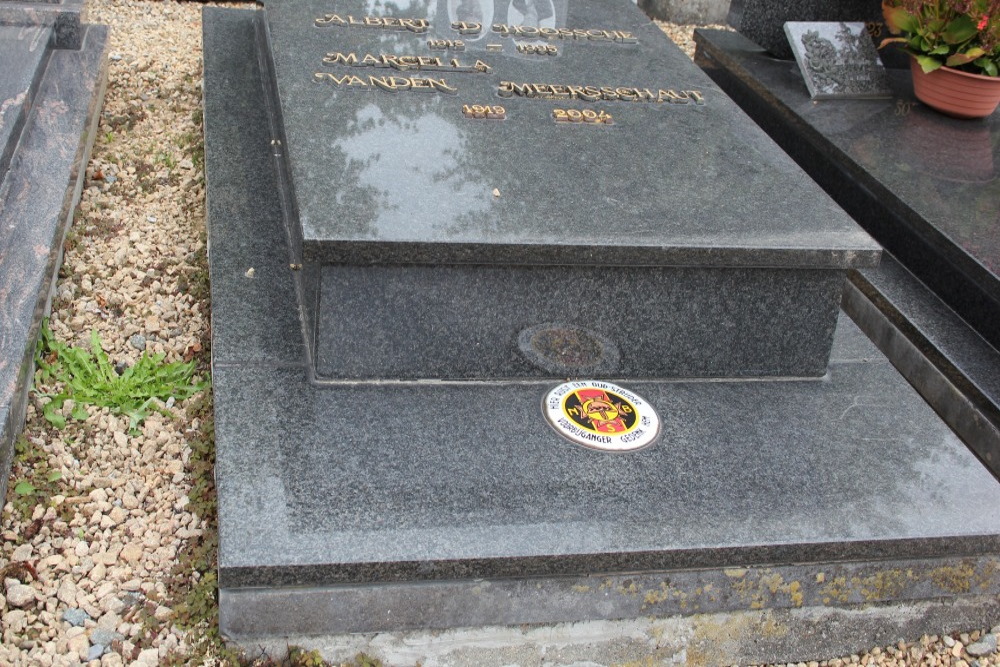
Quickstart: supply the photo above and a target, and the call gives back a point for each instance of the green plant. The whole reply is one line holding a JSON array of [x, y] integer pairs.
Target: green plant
[[35, 480], [87, 377], [963, 34]]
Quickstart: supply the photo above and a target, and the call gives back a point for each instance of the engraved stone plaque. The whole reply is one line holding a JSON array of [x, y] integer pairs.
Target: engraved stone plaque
[[838, 60]]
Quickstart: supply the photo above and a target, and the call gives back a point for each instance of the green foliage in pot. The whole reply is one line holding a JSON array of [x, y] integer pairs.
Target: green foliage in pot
[[963, 34]]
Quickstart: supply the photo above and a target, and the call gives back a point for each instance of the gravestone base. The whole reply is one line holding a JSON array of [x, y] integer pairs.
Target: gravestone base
[[925, 186], [54, 72], [365, 507]]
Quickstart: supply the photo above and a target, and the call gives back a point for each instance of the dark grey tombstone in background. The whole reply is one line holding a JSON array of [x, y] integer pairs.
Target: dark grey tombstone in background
[[763, 20]]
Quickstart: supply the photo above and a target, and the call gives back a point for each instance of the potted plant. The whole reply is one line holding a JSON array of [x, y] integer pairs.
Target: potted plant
[[955, 49]]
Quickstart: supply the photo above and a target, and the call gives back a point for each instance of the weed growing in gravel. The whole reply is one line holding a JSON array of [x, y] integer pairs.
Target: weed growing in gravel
[[36, 481], [87, 377]]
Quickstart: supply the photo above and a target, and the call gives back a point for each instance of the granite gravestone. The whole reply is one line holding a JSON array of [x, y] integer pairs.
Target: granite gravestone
[[359, 504], [927, 188], [838, 60], [763, 20], [477, 180], [51, 84]]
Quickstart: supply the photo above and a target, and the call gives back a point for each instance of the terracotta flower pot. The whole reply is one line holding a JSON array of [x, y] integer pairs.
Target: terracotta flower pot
[[956, 93]]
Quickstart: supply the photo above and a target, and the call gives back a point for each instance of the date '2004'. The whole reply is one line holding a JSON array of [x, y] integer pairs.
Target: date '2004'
[[588, 116]]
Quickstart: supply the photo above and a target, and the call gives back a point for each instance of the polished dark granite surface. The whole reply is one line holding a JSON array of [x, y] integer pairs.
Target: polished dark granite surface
[[387, 482], [763, 20], [63, 16], [24, 52], [924, 185], [405, 177], [37, 197], [466, 322]]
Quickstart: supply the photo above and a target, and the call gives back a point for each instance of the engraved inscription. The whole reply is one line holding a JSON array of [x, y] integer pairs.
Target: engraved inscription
[[537, 49], [588, 116], [590, 35], [551, 91], [389, 84], [445, 44], [405, 63], [380, 22], [465, 28], [491, 111]]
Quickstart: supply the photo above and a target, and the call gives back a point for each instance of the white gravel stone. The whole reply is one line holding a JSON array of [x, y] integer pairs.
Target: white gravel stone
[[19, 595]]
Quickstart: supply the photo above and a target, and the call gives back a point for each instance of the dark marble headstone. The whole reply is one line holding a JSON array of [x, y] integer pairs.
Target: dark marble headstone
[[503, 176], [838, 60], [763, 20]]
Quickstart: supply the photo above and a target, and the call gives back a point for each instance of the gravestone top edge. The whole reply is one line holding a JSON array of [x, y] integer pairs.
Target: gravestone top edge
[[419, 176]]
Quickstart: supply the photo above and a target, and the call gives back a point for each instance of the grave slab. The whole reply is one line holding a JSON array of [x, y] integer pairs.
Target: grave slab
[[411, 178], [426, 492], [37, 198], [26, 52], [926, 187], [62, 16]]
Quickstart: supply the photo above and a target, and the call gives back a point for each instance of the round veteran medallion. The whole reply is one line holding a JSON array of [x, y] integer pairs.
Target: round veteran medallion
[[601, 415]]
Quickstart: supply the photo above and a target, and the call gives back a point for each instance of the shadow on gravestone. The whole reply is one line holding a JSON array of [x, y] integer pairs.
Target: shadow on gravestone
[[763, 20]]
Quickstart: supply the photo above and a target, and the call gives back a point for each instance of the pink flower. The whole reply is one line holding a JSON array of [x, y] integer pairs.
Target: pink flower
[[983, 22]]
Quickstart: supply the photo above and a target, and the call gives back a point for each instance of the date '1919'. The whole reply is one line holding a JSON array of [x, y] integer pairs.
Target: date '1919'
[[492, 112], [588, 116]]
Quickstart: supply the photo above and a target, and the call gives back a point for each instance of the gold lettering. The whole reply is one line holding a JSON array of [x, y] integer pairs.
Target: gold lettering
[[480, 66], [386, 83], [502, 29], [404, 63], [330, 19], [558, 91], [353, 21], [598, 36], [442, 86], [389, 22], [464, 28], [427, 61], [696, 96], [374, 21], [371, 61], [340, 59]]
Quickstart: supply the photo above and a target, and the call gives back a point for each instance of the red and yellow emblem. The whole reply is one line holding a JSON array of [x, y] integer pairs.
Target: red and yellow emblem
[[600, 411], [601, 415]]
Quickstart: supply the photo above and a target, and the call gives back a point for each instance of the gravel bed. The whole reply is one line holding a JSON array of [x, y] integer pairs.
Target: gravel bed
[[102, 569]]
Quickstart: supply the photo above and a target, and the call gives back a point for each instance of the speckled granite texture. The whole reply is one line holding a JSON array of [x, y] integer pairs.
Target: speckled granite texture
[[926, 187], [37, 197], [63, 16], [763, 21], [463, 322], [379, 486], [406, 179]]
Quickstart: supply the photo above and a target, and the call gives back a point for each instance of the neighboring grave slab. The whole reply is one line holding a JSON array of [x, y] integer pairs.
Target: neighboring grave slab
[[763, 21], [49, 104], [24, 52], [63, 16], [479, 154], [838, 60]]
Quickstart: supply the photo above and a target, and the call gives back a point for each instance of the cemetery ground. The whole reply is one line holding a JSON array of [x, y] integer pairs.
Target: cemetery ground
[[108, 534]]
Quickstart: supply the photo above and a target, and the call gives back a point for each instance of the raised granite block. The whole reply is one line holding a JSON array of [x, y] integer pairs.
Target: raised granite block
[[599, 147]]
